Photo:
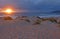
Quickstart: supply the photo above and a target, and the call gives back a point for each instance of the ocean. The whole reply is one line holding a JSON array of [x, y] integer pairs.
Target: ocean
[[41, 14]]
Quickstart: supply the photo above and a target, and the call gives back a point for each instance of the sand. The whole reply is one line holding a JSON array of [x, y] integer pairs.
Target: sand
[[19, 28]]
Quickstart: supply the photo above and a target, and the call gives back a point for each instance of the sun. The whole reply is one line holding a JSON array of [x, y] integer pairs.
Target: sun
[[8, 11]]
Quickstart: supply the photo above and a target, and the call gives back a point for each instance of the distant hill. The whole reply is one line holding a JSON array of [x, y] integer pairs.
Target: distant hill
[[57, 11]]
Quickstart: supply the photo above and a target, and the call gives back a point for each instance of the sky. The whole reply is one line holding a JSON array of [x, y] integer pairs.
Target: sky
[[38, 5]]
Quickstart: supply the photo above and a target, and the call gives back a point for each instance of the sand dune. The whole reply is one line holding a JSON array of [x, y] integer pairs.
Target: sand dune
[[29, 28]]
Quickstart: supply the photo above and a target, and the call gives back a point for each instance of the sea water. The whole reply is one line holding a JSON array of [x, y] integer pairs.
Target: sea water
[[40, 14]]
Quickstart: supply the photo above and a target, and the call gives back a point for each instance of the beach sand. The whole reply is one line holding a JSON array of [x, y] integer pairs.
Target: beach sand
[[29, 28]]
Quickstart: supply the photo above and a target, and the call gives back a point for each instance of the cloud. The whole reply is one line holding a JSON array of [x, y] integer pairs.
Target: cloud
[[37, 2], [33, 4], [7, 2]]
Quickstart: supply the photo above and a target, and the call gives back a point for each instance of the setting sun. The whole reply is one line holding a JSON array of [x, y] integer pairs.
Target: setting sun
[[8, 11]]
